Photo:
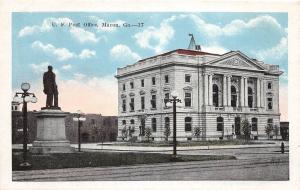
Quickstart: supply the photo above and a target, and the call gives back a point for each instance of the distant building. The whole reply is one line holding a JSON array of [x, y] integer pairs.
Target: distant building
[[284, 130], [218, 91], [96, 128]]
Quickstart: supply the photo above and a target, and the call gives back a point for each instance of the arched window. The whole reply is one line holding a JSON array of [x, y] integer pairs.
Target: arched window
[[188, 124], [233, 96], [167, 122], [132, 121], [215, 95], [153, 121], [123, 122], [250, 97], [254, 124], [220, 124]]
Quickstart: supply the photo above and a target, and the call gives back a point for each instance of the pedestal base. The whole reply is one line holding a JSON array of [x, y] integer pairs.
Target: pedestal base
[[51, 136], [47, 147]]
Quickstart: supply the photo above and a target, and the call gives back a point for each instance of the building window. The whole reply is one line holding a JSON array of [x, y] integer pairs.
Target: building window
[[142, 83], [254, 124], [187, 78], [93, 122], [132, 121], [270, 122], [250, 97], [124, 105], [153, 81], [233, 96], [187, 99], [131, 104], [124, 87], [188, 124], [166, 79], [270, 103], [153, 101], [123, 122], [131, 85], [143, 102], [167, 122], [269, 84], [220, 124], [153, 124], [215, 95]]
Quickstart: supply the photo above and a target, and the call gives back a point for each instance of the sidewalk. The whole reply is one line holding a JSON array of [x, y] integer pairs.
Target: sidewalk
[[113, 146]]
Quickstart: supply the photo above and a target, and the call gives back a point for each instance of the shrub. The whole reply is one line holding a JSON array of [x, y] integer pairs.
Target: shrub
[[197, 132], [148, 133], [268, 130], [246, 129], [167, 132]]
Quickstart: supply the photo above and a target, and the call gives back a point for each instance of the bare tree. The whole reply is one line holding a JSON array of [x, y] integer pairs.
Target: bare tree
[[167, 132], [246, 129], [197, 132]]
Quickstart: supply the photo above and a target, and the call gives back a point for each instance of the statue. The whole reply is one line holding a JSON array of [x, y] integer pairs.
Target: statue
[[50, 89]]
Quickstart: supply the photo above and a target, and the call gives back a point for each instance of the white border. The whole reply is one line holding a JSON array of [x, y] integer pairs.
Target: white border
[[7, 7]]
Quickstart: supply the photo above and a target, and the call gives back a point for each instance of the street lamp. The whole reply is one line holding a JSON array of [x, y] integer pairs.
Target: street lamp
[[78, 117], [25, 97], [174, 100]]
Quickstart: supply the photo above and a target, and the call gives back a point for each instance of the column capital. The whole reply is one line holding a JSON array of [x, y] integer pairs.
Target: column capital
[[245, 77]]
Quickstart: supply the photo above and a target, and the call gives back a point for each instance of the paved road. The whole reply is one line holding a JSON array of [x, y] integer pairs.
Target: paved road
[[251, 164]]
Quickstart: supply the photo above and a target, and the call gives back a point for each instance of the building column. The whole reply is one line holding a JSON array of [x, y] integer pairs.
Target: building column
[[258, 92], [229, 90], [242, 96], [210, 90], [246, 91], [262, 93], [205, 89], [224, 90]]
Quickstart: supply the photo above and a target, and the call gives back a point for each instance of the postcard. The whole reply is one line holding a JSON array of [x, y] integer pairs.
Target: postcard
[[103, 94]]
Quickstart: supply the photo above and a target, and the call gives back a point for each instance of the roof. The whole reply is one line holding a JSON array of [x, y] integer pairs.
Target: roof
[[183, 52]]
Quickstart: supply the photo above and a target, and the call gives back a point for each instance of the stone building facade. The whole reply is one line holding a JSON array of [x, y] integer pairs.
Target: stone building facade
[[217, 92]]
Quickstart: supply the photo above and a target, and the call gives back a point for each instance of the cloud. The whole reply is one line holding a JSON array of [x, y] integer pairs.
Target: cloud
[[46, 26], [234, 27], [276, 52], [86, 53], [122, 52], [79, 76], [61, 54], [83, 36], [40, 68], [66, 67], [214, 49], [156, 38]]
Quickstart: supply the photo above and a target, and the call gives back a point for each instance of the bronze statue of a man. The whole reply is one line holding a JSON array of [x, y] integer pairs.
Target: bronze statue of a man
[[50, 88]]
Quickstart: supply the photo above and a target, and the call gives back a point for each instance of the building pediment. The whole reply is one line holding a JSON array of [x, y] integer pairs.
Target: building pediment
[[236, 60], [123, 96], [131, 94], [187, 88], [153, 91], [142, 92]]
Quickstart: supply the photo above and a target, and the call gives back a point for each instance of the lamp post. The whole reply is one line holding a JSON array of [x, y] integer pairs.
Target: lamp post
[[78, 117], [174, 100], [25, 97]]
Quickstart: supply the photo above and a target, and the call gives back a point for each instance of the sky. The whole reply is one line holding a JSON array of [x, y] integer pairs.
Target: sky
[[85, 54]]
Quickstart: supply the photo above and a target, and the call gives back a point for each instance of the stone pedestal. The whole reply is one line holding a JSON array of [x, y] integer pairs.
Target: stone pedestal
[[51, 135]]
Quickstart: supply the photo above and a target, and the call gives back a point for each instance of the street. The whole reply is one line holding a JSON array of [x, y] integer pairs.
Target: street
[[251, 164]]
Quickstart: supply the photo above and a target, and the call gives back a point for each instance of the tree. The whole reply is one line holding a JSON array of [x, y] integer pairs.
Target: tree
[[197, 132], [167, 132], [148, 133], [246, 129], [269, 129], [276, 130]]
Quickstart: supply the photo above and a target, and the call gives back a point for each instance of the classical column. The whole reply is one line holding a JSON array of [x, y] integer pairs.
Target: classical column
[[242, 89], [229, 90], [258, 92], [205, 89], [246, 91], [210, 90], [262, 93], [224, 90]]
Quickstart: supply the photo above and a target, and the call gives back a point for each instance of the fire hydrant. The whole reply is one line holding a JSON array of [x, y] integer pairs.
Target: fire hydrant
[[282, 147]]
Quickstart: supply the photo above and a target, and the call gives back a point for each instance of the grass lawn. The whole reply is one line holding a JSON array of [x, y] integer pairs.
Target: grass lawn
[[192, 143], [102, 159]]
